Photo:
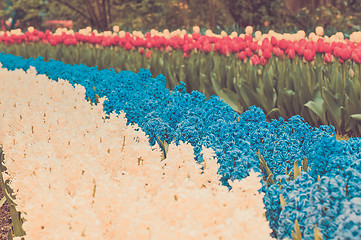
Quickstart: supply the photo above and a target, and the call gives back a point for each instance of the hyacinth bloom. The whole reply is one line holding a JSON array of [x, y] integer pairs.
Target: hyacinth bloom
[[190, 117], [79, 174]]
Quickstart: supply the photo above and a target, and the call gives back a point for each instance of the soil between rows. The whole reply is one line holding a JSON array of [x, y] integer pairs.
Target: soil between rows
[[5, 220]]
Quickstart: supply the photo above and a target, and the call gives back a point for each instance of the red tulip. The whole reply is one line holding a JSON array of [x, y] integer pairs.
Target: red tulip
[[248, 52], [236, 47], [225, 50], [207, 47], [356, 56], [242, 55], [301, 50], [148, 54], [263, 60], [255, 60], [346, 53], [328, 57], [267, 53], [278, 52], [291, 53], [248, 38], [253, 46], [274, 41], [283, 44], [309, 55], [337, 51]]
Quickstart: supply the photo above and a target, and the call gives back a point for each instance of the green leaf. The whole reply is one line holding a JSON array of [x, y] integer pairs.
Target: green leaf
[[265, 169], [10, 234], [317, 233], [274, 113], [305, 164], [356, 116], [297, 235], [231, 98], [296, 170], [215, 83], [283, 202], [333, 107], [268, 87], [16, 222], [164, 146], [316, 106], [2, 201]]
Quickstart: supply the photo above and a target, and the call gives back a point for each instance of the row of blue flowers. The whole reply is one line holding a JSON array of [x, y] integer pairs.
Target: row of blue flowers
[[327, 194]]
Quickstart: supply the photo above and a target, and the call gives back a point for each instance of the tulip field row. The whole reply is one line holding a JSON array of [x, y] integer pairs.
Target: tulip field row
[[316, 77], [258, 48], [311, 181]]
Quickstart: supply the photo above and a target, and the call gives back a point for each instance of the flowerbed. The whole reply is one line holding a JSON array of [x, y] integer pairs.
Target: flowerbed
[[79, 174], [308, 175], [259, 48], [323, 88]]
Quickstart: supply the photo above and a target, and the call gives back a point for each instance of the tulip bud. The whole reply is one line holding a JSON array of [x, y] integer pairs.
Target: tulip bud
[[233, 34], [115, 29], [352, 73], [148, 54], [223, 34], [166, 32], [196, 29], [263, 60], [339, 36], [328, 57], [301, 34], [30, 29], [257, 35], [209, 33], [122, 34], [319, 31], [249, 30], [255, 60]]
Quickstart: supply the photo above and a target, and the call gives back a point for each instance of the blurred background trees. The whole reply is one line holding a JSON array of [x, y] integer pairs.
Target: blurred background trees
[[280, 15]]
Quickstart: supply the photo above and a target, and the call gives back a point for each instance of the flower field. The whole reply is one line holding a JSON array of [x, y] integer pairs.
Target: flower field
[[314, 76], [69, 167], [193, 167]]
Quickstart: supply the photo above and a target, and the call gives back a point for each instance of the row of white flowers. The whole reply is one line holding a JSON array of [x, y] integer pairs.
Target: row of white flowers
[[78, 174]]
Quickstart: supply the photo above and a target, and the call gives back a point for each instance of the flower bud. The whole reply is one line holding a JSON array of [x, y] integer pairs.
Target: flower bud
[[319, 31], [116, 29], [249, 30], [30, 29]]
